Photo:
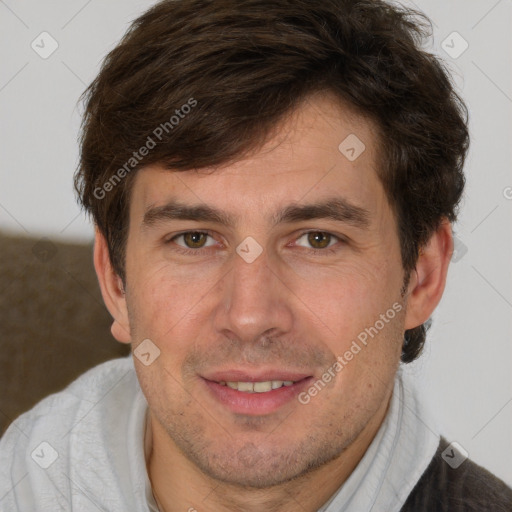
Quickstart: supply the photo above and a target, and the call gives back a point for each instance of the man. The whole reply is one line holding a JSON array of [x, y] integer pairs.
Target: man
[[273, 186]]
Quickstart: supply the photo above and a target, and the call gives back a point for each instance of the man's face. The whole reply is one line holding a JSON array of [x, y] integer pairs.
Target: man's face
[[219, 314]]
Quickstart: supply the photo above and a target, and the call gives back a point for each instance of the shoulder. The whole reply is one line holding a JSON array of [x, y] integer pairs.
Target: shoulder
[[467, 488], [49, 430], [88, 388]]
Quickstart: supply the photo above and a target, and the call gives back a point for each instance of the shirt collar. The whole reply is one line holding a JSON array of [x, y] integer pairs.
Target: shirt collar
[[396, 458]]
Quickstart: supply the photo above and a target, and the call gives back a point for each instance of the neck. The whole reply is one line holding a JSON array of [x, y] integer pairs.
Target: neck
[[179, 485]]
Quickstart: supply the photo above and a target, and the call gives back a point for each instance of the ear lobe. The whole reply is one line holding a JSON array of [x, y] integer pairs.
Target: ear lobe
[[119, 332], [111, 289], [427, 282]]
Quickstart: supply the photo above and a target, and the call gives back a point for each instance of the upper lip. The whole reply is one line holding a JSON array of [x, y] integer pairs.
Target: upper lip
[[240, 375]]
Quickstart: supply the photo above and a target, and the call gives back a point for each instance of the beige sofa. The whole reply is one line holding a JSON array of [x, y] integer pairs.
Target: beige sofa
[[53, 323]]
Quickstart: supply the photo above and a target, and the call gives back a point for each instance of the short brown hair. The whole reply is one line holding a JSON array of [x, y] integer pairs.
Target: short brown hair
[[241, 66]]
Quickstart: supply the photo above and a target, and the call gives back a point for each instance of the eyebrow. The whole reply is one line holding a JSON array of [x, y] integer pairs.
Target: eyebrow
[[338, 209]]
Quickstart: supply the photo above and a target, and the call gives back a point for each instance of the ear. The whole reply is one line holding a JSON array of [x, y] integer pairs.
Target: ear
[[428, 280], [111, 289]]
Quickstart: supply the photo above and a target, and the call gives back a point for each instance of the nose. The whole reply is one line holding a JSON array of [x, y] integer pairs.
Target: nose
[[254, 301]]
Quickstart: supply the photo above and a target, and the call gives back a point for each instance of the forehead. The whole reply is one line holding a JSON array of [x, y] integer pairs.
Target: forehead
[[322, 150]]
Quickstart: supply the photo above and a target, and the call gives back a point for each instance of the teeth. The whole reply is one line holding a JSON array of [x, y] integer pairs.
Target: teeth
[[257, 387], [245, 386], [261, 387]]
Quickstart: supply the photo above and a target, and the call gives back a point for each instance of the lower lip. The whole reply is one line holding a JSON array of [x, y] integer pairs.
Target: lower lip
[[241, 402]]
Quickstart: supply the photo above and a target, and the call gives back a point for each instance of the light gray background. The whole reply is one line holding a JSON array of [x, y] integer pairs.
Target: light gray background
[[466, 368]]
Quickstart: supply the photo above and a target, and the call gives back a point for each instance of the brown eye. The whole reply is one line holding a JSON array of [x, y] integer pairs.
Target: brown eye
[[319, 239], [194, 239], [319, 242]]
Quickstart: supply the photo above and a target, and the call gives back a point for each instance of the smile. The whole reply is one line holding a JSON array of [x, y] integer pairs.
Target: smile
[[257, 387]]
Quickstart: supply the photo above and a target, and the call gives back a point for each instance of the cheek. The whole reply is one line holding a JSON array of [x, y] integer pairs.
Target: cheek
[[168, 301], [360, 317], [348, 295], [156, 281]]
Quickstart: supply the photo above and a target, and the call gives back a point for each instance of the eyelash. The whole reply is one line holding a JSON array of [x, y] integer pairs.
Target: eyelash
[[200, 251]]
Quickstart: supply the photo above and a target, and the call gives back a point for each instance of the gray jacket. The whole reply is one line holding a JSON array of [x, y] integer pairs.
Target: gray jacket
[[469, 488]]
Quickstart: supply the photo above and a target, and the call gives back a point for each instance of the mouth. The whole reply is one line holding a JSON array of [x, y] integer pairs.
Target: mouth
[[256, 396], [258, 387]]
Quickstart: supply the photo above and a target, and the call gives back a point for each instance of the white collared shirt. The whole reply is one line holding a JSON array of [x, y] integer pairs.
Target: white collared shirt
[[396, 458], [83, 449]]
